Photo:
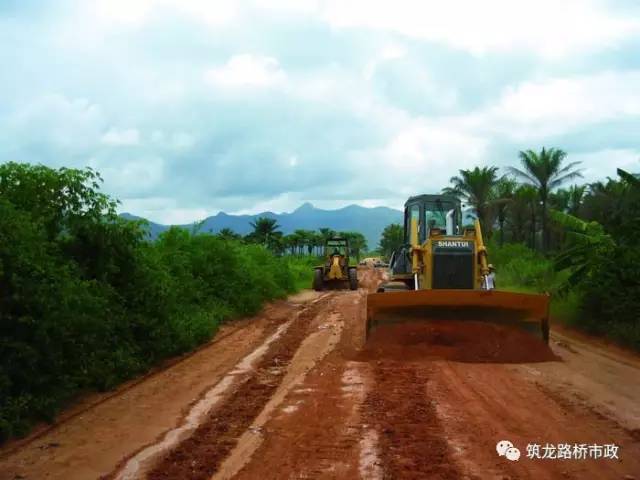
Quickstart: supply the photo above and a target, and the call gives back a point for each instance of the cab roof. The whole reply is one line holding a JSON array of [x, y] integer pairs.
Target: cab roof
[[430, 197]]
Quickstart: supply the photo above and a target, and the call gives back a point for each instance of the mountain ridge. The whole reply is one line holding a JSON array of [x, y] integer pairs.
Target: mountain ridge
[[370, 221]]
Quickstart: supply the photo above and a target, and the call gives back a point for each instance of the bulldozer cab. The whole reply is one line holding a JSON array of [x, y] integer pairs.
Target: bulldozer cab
[[433, 213], [448, 259]]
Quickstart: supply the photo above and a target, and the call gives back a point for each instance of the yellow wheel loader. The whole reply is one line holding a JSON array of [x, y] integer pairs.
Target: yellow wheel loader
[[336, 271], [443, 272]]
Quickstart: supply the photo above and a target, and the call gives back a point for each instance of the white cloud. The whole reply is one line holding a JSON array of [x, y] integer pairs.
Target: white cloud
[[123, 11], [425, 155], [548, 27], [555, 106], [163, 210], [604, 163], [134, 176], [136, 12], [260, 105], [246, 70], [179, 216], [389, 52], [117, 137], [284, 202], [57, 121], [426, 146]]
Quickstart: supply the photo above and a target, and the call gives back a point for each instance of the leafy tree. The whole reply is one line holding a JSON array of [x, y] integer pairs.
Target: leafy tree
[[86, 301], [607, 274], [545, 171], [587, 243], [616, 205], [392, 239], [476, 187], [59, 199]]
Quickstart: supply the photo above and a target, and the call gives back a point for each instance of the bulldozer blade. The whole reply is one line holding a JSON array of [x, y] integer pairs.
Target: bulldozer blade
[[487, 305]]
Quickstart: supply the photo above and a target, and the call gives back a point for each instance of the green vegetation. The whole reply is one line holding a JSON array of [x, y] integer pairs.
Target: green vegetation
[[392, 239], [519, 267], [86, 301], [302, 242], [477, 188], [579, 243]]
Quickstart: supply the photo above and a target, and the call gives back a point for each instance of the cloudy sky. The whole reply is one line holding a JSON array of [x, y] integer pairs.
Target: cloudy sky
[[188, 107]]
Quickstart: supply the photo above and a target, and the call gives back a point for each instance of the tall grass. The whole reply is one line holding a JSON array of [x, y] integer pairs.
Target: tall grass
[[520, 269]]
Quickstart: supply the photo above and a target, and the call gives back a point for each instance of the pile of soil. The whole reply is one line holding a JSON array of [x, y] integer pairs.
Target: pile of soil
[[461, 341]]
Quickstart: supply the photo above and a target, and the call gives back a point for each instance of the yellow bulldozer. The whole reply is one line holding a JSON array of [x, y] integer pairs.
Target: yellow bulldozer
[[443, 272], [336, 271]]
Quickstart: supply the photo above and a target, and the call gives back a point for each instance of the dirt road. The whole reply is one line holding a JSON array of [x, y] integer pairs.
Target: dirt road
[[294, 393]]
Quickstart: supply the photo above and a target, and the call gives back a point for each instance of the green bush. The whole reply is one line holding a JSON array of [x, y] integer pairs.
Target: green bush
[[604, 270], [301, 269], [611, 303], [520, 267], [86, 302]]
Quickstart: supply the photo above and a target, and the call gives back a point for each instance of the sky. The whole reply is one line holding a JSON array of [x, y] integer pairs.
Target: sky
[[190, 107]]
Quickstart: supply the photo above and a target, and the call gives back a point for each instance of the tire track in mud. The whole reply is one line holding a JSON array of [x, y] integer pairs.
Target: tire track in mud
[[82, 408], [411, 440], [317, 431], [200, 455]]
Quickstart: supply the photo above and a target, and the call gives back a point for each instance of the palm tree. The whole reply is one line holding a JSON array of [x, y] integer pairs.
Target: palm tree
[[305, 237], [504, 191], [228, 234], [523, 214], [476, 188], [545, 171], [312, 242], [325, 234], [264, 228], [293, 241], [576, 195], [559, 200]]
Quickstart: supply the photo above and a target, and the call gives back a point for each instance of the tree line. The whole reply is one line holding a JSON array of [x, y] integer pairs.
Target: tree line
[[87, 301], [517, 203], [587, 233], [266, 231]]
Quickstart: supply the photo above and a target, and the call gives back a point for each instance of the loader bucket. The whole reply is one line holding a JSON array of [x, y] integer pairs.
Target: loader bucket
[[495, 306]]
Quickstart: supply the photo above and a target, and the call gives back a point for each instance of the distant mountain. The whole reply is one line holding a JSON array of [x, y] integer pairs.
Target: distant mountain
[[155, 229], [368, 221]]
